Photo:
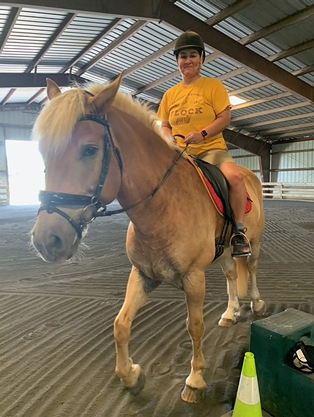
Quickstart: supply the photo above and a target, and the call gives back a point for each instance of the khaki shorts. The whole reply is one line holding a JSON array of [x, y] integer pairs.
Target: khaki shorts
[[216, 157]]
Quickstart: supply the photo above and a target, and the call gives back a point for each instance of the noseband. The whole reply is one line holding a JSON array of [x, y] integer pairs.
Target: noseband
[[51, 200]]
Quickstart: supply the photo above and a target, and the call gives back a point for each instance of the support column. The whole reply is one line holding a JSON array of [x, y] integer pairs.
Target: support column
[[265, 166]]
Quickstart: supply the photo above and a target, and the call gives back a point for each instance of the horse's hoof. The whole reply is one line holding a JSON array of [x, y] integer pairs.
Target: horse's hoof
[[226, 322], [137, 388], [192, 395], [260, 309]]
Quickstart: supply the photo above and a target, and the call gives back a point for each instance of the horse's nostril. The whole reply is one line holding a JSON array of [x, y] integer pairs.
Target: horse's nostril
[[55, 242]]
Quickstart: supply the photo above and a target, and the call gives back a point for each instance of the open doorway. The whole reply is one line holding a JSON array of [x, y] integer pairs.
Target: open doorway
[[26, 172]]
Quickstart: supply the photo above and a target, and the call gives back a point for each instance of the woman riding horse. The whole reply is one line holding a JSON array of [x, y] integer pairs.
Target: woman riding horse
[[98, 145]]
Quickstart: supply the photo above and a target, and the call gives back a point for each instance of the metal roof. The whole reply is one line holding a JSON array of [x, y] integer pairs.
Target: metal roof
[[263, 52]]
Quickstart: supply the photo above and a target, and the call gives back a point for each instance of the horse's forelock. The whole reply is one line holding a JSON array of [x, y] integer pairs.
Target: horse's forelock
[[54, 125]]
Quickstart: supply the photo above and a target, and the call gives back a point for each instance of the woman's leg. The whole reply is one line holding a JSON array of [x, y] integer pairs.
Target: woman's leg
[[237, 191], [237, 198]]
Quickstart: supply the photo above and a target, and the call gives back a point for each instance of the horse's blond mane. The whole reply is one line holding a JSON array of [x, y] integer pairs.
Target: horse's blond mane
[[54, 125]]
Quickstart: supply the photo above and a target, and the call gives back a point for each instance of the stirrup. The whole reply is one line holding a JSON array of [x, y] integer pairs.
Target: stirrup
[[242, 248]]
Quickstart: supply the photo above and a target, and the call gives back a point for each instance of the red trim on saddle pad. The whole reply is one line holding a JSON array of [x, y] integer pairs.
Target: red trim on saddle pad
[[217, 201]]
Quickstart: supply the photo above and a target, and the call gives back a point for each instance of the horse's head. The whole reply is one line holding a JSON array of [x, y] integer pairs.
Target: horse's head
[[83, 167]]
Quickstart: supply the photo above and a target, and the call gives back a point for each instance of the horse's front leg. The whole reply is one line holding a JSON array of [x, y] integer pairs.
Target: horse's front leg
[[194, 287], [130, 374], [229, 269]]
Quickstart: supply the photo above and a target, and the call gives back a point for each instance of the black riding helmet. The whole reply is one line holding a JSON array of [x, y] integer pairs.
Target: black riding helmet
[[187, 40]]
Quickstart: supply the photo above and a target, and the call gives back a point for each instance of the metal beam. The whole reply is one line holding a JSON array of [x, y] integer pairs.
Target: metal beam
[[250, 87], [228, 11], [74, 60], [12, 80], [303, 71], [129, 32], [34, 96], [288, 128], [306, 132], [139, 9], [233, 49], [152, 57], [281, 120], [7, 29], [261, 100], [271, 111], [233, 73], [8, 96], [247, 143], [281, 24], [295, 140], [58, 32], [292, 51]]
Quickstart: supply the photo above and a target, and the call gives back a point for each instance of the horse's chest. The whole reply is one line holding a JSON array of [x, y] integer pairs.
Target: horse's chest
[[158, 265]]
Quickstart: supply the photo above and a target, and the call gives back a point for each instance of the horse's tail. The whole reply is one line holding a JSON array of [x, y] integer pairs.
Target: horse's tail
[[243, 275]]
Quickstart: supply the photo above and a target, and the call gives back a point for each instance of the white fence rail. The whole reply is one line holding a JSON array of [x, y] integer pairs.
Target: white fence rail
[[288, 191]]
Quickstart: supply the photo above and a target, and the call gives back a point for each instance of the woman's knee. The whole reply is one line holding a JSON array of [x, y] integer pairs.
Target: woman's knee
[[234, 177]]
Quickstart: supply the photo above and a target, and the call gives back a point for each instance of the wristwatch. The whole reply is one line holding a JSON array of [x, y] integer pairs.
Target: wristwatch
[[204, 133]]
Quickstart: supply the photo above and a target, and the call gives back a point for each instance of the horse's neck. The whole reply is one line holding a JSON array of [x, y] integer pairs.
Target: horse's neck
[[146, 157], [181, 198]]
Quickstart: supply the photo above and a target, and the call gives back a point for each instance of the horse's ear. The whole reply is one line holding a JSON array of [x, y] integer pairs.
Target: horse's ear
[[52, 89], [106, 96]]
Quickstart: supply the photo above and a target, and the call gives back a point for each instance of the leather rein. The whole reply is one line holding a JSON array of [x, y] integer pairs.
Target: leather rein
[[52, 200]]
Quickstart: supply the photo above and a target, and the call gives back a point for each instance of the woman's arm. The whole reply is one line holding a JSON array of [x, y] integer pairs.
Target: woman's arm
[[217, 126], [166, 129], [220, 123]]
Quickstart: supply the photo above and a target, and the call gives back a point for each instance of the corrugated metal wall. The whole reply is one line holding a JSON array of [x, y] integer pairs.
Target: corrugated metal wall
[[17, 125], [290, 162], [294, 162]]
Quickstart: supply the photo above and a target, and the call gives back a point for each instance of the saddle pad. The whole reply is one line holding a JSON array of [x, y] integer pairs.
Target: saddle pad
[[214, 197]]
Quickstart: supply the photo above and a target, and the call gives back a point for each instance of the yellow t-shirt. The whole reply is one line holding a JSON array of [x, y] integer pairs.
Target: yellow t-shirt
[[191, 108]]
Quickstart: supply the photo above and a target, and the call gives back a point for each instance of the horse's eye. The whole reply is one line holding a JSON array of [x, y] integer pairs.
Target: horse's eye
[[89, 151]]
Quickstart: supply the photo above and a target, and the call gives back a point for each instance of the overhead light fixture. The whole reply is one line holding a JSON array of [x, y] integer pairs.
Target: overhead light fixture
[[234, 100]]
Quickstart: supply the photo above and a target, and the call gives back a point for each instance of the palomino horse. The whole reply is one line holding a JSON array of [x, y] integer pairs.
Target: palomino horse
[[99, 145]]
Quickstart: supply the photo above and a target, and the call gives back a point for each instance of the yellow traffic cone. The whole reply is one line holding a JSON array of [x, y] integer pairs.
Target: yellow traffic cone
[[248, 403]]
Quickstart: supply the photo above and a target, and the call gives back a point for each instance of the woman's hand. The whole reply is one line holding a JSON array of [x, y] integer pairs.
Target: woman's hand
[[193, 137]]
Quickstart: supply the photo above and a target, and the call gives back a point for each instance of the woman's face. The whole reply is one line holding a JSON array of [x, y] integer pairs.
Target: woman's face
[[189, 62]]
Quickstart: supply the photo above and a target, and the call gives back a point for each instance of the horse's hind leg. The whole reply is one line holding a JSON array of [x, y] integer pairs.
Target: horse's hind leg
[[229, 269], [194, 287], [258, 306], [130, 374]]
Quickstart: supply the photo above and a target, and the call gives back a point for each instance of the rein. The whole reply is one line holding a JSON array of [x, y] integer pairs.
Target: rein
[[51, 200]]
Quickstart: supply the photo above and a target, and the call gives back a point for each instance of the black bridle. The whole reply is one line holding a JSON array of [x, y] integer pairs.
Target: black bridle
[[51, 200]]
